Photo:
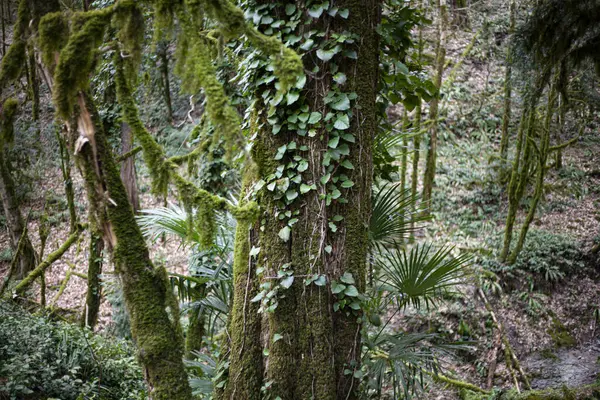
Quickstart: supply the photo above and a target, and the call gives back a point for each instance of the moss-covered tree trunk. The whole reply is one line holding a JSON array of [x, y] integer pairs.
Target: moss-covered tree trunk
[[94, 286], [311, 344], [10, 204], [431, 159], [508, 86], [146, 288], [163, 55]]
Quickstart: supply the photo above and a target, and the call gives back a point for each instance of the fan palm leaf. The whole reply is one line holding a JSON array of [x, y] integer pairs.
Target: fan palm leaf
[[415, 277]]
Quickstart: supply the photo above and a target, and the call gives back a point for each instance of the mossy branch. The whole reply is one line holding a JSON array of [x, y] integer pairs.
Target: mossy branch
[[130, 153], [52, 257], [163, 170], [15, 260]]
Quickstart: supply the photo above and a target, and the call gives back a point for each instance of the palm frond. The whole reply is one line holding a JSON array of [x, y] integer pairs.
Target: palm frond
[[171, 220], [393, 218], [417, 277]]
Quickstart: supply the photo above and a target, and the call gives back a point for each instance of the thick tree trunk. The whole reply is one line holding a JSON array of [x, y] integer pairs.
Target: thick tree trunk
[[128, 173], [310, 342]]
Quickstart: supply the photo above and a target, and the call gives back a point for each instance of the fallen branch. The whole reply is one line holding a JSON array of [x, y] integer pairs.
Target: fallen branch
[[52, 257], [511, 358], [456, 383]]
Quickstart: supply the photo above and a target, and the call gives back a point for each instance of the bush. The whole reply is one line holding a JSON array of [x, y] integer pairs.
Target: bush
[[44, 359], [546, 257]]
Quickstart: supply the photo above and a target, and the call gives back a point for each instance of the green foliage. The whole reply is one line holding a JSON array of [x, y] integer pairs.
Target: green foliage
[[60, 360], [416, 277], [393, 215], [546, 257]]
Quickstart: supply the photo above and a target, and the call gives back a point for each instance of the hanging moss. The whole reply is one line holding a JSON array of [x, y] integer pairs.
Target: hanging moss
[[129, 22], [53, 33], [77, 58], [15, 58]]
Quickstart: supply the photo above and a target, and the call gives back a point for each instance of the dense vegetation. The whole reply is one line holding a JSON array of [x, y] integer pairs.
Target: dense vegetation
[[342, 199]]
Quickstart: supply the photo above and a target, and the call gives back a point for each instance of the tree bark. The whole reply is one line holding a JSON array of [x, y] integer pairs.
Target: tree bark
[[128, 173]]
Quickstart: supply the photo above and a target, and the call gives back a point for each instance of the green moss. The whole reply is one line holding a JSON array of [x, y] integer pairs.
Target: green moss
[[76, 59], [16, 58], [53, 33], [9, 111], [561, 337]]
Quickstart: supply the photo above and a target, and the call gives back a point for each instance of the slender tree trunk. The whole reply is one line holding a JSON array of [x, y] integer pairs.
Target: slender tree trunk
[[430, 163], [415, 167], [128, 173], [539, 184], [2, 21], [162, 49], [65, 167], [10, 205], [508, 86], [246, 364], [94, 286], [33, 87]]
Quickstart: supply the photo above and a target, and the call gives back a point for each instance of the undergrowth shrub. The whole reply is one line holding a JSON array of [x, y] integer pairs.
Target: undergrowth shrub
[[546, 258], [44, 359]]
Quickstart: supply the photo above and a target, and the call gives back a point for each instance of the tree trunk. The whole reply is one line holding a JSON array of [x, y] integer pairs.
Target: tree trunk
[[508, 86], [94, 287], [162, 50], [431, 159], [128, 173], [10, 205], [311, 342]]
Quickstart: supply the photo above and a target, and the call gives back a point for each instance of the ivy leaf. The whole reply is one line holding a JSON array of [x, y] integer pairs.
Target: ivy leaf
[[291, 97], [347, 164], [290, 9], [351, 291], [325, 178], [333, 143], [277, 337], [337, 287], [302, 166], [338, 218], [348, 138], [344, 13], [344, 149], [342, 122], [258, 297], [292, 194], [321, 281], [307, 45], [347, 184], [347, 278], [326, 55], [336, 194], [316, 11], [328, 249], [342, 103], [254, 252], [355, 305], [333, 227], [281, 152], [284, 233], [340, 78], [287, 282], [303, 117], [301, 82], [314, 117], [304, 188]]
